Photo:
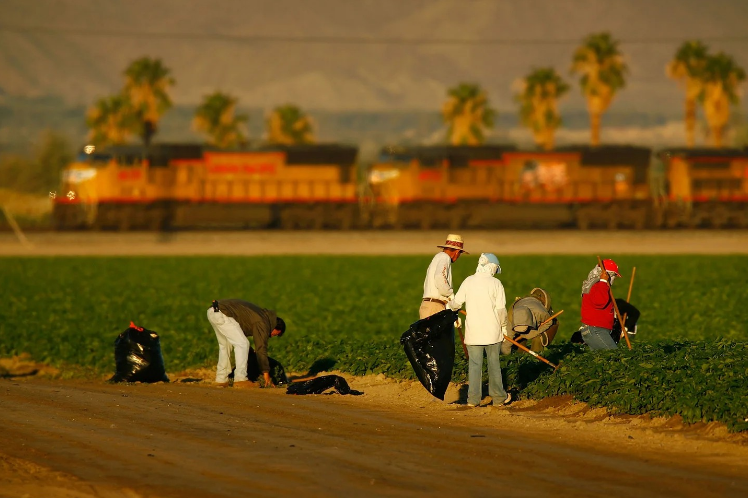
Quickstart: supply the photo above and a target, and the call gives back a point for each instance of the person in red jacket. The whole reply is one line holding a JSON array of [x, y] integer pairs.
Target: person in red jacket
[[597, 306]]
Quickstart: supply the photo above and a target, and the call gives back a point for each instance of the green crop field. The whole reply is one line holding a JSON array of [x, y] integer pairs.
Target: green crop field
[[348, 313]]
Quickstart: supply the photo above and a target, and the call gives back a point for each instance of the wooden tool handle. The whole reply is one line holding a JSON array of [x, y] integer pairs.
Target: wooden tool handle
[[520, 346]]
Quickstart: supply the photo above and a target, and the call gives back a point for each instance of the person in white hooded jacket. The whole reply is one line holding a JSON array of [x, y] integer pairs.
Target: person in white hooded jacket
[[485, 328]]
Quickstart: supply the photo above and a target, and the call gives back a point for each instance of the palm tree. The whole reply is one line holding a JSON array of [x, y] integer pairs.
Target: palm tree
[[217, 118], [538, 101], [687, 67], [288, 124], [147, 84], [721, 81], [603, 72], [468, 114], [110, 120]]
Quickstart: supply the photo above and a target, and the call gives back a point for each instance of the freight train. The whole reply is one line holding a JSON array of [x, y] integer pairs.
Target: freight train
[[183, 186]]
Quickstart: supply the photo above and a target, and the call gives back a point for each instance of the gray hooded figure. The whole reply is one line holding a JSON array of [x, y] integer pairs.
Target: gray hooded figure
[[524, 321]]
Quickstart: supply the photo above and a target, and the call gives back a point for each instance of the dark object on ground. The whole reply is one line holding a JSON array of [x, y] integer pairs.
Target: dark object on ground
[[430, 347], [576, 338], [322, 384], [277, 372], [137, 355], [632, 317]]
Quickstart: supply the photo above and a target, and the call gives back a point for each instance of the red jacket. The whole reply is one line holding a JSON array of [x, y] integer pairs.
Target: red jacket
[[597, 307]]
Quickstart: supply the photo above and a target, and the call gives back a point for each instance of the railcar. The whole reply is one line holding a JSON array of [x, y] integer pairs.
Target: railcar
[[502, 187], [188, 186], [183, 186]]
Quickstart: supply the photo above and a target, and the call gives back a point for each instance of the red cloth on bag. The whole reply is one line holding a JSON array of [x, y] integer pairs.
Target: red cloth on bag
[[597, 306]]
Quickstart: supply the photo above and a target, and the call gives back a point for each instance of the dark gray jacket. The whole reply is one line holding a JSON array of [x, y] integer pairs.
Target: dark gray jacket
[[254, 321]]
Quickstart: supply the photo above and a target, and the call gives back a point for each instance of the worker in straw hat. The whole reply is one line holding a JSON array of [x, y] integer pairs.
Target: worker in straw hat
[[437, 288]]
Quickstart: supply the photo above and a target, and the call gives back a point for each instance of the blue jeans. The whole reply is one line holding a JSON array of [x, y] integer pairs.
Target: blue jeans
[[475, 374], [597, 337]]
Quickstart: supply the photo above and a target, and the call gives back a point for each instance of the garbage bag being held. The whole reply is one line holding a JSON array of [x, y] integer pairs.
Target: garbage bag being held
[[430, 347], [322, 384], [137, 355]]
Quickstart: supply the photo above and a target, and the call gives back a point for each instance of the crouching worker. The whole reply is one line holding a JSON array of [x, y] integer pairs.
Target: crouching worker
[[597, 306], [485, 327], [525, 318], [234, 320]]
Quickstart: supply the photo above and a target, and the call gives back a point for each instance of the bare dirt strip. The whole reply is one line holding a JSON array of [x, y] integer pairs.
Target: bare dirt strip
[[375, 242], [188, 439]]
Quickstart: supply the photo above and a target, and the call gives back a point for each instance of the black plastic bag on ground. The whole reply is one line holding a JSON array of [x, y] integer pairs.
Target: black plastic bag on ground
[[632, 317], [137, 356], [430, 347], [322, 384], [277, 372]]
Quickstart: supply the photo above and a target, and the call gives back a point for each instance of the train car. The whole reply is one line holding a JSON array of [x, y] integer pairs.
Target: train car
[[502, 187], [705, 188], [188, 186]]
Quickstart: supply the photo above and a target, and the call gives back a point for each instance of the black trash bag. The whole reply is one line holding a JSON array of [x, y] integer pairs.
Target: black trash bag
[[632, 317], [430, 346], [277, 372], [137, 356], [322, 384], [576, 337]]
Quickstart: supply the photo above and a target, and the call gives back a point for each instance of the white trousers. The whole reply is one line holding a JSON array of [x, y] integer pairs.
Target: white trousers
[[229, 335]]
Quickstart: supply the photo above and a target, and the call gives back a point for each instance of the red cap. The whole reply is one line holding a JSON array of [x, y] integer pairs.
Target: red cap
[[611, 265]]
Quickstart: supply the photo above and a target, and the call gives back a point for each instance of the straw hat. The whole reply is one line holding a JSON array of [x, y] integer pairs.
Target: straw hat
[[454, 241]]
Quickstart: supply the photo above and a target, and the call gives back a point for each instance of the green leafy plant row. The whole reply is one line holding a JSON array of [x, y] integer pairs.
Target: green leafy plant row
[[347, 313]]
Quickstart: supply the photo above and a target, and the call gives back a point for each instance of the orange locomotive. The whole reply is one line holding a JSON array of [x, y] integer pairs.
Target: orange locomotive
[[493, 186], [187, 186], [604, 187]]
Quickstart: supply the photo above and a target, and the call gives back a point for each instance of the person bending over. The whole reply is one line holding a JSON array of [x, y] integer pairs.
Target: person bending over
[[234, 320]]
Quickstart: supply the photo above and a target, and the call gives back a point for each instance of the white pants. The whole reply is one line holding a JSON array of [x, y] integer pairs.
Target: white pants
[[229, 335]]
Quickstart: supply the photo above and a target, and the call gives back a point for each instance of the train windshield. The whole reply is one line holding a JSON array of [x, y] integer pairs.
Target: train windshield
[[94, 158]]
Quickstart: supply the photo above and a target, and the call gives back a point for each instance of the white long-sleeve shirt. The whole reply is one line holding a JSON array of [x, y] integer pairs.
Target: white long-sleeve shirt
[[485, 304], [438, 283]]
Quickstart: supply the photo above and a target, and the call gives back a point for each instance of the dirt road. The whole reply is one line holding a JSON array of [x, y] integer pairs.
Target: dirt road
[[502, 242], [75, 439]]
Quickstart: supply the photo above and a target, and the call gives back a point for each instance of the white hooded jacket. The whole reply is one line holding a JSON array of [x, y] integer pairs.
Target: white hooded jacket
[[485, 304]]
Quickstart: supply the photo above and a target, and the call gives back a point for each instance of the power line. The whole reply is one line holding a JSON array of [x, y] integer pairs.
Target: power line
[[346, 40]]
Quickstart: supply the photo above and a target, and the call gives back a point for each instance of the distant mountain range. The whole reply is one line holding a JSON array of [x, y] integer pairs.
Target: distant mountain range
[[365, 69]]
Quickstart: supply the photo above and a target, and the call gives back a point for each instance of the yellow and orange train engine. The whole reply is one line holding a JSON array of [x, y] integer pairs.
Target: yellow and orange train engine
[[501, 187], [187, 186]]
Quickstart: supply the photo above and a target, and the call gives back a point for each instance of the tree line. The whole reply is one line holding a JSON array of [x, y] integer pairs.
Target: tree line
[[144, 98], [710, 80]]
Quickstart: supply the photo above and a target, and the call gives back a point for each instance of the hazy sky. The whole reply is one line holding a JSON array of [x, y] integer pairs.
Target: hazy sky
[[348, 54]]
